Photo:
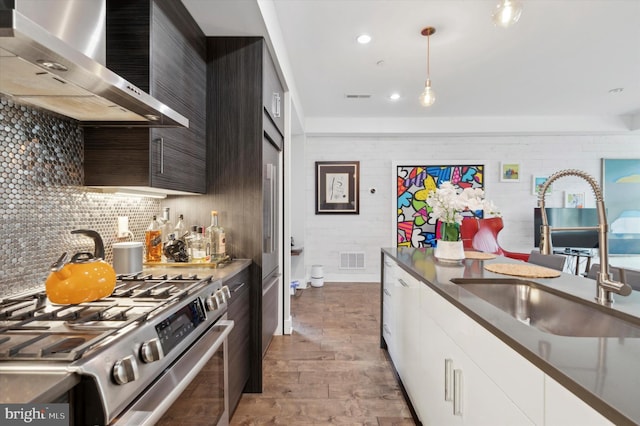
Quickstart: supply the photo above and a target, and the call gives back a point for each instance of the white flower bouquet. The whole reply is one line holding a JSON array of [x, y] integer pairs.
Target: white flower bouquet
[[447, 204]]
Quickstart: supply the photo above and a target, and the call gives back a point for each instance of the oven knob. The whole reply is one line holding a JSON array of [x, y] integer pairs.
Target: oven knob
[[151, 351], [125, 370], [221, 296], [213, 302], [226, 291]]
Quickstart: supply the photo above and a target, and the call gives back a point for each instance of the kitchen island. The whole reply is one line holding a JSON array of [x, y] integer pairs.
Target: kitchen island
[[496, 368]]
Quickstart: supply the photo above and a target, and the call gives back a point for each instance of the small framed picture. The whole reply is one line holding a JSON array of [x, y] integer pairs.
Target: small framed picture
[[509, 172], [337, 187], [574, 200], [538, 181]]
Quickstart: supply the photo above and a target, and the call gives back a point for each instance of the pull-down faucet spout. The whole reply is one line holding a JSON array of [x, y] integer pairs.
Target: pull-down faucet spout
[[605, 285]]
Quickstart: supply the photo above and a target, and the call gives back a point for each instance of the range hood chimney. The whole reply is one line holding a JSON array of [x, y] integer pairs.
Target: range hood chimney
[[40, 69]]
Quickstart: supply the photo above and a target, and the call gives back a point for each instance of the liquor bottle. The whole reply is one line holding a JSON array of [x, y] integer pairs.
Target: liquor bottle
[[197, 246], [216, 239], [181, 229], [165, 224], [153, 241]]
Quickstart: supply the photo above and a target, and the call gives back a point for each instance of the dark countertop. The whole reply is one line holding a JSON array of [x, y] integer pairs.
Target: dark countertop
[[603, 372], [35, 387], [223, 273]]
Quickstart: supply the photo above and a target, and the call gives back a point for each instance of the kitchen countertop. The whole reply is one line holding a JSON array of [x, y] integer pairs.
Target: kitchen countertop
[[225, 272], [603, 372]]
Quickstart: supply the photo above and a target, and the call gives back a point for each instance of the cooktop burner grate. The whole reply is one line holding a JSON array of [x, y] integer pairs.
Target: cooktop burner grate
[[32, 328]]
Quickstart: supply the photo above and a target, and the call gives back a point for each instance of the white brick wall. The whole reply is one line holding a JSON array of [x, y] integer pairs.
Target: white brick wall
[[327, 235]]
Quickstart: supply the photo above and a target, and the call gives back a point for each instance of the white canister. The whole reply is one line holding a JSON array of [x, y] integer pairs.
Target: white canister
[[127, 258], [317, 276]]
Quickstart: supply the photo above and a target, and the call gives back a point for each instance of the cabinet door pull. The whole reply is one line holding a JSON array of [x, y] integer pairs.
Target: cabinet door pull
[[448, 378], [161, 142], [404, 284], [386, 329], [387, 292], [457, 392], [275, 104]]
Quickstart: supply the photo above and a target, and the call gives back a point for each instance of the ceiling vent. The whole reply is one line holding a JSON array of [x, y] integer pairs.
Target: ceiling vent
[[352, 96]]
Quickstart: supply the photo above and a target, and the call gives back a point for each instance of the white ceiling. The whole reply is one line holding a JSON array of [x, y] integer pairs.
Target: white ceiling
[[560, 59]]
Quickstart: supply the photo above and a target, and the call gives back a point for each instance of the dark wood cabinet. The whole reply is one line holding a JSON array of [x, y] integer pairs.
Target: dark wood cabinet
[[236, 130], [158, 47], [239, 338]]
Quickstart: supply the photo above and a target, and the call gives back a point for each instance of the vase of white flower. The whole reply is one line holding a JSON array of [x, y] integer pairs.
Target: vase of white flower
[[447, 205]]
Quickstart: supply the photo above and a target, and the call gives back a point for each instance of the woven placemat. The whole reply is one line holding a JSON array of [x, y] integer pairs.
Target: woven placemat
[[529, 271], [478, 255]]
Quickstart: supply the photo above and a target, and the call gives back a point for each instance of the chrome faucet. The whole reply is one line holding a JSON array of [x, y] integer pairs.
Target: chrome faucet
[[605, 285]]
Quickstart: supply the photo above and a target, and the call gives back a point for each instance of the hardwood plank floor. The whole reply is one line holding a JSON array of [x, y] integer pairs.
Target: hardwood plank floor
[[331, 370]]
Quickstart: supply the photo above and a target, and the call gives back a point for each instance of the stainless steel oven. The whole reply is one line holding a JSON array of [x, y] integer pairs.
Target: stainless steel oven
[[154, 351]]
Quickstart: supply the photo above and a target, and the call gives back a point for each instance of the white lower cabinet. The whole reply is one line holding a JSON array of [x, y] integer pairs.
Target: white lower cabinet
[[453, 388], [389, 302], [564, 408], [457, 372]]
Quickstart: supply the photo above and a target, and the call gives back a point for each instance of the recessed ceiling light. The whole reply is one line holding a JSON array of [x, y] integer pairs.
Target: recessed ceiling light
[[616, 90], [394, 96], [364, 38]]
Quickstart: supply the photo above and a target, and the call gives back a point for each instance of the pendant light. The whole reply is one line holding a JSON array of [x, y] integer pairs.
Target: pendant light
[[507, 13], [428, 96]]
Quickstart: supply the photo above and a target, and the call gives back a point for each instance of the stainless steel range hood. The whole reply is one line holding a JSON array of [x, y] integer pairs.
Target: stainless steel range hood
[[40, 69]]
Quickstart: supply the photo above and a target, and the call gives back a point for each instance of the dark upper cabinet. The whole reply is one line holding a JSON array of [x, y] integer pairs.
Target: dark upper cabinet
[[158, 47]]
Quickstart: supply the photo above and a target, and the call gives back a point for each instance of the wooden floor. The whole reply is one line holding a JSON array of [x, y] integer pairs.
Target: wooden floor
[[331, 370]]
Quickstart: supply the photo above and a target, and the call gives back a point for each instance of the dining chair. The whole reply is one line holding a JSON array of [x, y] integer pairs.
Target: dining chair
[[595, 270], [553, 261], [631, 277], [482, 235]]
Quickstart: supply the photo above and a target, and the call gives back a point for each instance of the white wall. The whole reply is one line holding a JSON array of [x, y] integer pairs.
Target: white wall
[[327, 235]]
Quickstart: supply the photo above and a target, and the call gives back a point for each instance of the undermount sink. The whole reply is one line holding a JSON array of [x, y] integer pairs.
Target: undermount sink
[[550, 311]]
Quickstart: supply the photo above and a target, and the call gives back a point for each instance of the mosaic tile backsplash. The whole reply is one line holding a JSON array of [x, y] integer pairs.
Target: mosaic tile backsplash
[[42, 200]]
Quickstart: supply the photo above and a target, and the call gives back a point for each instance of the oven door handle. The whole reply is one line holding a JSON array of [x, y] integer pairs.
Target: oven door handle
[[150, 407]]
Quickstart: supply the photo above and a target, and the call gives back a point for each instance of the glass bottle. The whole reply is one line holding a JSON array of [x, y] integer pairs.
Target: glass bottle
[[197, 246], [165, 224], [153, 241], [181, 229], [216, 239]]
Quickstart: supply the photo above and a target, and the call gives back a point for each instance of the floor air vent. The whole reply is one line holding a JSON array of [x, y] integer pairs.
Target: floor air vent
[[351, 260]]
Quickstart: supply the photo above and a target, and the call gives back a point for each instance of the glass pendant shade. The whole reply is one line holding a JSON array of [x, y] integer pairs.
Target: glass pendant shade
[[428, 96], [507, 13]]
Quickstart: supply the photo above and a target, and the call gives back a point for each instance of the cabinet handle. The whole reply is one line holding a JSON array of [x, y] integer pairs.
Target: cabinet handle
[[275, 104], [161, 142], [387, 292], [448, 376], [457, 392], [238, 287], [386, 329], [404, 284]]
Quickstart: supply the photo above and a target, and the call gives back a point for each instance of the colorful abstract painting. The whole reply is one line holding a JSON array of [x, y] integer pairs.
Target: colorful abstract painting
[[415, 226]]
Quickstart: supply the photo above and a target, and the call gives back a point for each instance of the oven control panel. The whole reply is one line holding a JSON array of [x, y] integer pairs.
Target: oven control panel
[[172, 330]]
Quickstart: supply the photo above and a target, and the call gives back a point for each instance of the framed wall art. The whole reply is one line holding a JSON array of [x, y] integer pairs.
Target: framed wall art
[[337, 187], [414, 223], [574, 200], [509, 172], [538, 181]]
